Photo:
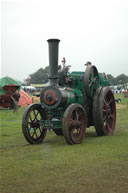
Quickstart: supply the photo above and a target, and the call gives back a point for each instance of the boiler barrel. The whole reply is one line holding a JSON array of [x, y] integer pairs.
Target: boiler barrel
[[52, 97]]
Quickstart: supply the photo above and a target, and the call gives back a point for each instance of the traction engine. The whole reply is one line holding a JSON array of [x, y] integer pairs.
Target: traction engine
[[70, 103]]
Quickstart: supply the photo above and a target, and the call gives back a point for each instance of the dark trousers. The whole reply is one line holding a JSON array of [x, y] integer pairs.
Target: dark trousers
[[16, 106]]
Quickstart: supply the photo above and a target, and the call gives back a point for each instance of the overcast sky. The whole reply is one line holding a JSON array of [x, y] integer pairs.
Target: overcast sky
[[89, 30]]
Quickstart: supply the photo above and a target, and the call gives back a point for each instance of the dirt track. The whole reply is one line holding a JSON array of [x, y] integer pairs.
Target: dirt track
[[119, 106]]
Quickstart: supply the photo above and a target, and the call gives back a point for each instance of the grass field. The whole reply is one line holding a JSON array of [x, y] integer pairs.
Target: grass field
[[98, 165]]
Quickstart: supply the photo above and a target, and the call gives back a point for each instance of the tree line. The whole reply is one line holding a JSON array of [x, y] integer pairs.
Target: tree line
[[122, 79], [41, 77]]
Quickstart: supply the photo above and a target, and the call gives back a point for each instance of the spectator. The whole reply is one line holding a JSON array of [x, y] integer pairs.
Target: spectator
[[15, 99]]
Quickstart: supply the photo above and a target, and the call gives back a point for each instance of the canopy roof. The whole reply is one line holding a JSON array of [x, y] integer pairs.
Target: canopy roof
[[7, 81]]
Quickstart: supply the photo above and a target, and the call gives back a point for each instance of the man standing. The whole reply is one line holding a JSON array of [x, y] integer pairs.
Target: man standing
[[15, 99]]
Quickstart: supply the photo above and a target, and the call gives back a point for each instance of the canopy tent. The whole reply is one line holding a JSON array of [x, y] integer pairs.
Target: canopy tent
[[8, 84], [7, 88], [24, 99]]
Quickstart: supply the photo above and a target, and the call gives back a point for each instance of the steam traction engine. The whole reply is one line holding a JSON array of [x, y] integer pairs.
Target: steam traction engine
[[71, 103]]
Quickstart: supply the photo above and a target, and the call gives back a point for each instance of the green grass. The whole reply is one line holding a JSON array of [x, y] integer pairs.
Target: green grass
[[124, 101], [98, 165]]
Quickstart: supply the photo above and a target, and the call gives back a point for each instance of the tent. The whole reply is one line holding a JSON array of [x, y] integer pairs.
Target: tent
[[8, 85], [7, 88], [25, 99]]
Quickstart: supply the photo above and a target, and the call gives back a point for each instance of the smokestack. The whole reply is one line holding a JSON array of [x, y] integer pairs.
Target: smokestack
[[53, 60]]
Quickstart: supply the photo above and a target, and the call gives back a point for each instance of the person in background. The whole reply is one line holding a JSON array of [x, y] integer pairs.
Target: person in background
[[88, 63], [15, 99]]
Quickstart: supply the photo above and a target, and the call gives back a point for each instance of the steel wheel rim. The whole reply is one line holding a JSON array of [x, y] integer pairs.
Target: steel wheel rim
[[109, 113]]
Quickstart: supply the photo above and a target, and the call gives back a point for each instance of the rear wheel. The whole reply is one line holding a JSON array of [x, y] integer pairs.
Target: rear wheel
[[104, 112], [32, 130], [74, 124]]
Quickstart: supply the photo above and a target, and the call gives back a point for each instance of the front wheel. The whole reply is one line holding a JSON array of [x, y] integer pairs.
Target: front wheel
[[74, 124], [31, 128]]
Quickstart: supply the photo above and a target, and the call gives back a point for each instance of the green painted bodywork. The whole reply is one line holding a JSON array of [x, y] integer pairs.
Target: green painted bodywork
[[103, 81], [79, 77], [74, 96]]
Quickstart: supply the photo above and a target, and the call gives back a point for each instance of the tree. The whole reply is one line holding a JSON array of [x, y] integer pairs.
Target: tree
[[122, 79], [119, 80], [111, 79], [40, 76]]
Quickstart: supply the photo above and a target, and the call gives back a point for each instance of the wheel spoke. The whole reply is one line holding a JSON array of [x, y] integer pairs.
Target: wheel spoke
[[75, 126], [33, 134], [105, 118], [110, 101], [92, 73], [36, 132], [108, 127], [35, 114], [105, 102], [72, 123], [105, 109], [40, 130], [29, 123], [112, 116], [30, 117], [77, 116], [72, 130]]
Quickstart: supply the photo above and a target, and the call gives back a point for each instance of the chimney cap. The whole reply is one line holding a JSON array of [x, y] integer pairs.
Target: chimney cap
[[53, 40]]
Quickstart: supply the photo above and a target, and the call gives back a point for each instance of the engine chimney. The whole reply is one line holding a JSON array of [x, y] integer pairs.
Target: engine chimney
[[53, 60]]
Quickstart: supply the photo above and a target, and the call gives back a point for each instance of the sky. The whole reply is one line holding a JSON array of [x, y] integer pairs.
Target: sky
[[89, 30]]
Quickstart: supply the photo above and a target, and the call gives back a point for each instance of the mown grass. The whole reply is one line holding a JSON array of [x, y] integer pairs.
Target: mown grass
[[124, 101], [98, 165]]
